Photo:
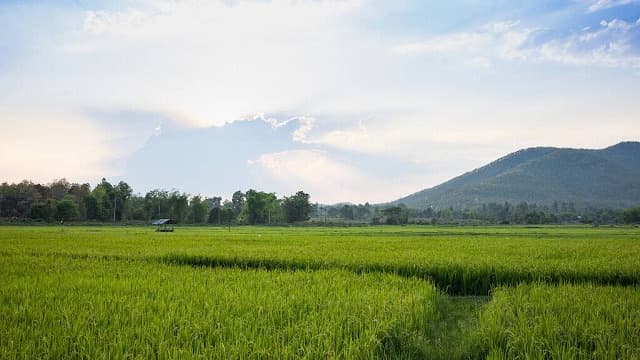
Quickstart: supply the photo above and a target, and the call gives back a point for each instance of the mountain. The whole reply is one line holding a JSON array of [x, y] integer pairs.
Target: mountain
[[604, 178]]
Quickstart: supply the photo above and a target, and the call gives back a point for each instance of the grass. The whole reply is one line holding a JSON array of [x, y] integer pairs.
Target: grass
[[566, 321], [370, 292], [59, 307], [459, 261]]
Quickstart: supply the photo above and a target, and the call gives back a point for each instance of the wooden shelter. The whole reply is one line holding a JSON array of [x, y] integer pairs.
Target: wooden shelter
[[164, 225]]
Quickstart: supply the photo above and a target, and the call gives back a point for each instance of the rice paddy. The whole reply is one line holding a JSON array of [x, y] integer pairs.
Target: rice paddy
[[370, 292]]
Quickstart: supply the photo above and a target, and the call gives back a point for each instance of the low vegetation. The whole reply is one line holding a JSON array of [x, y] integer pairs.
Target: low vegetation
[[567, 321], [59, 307], [266, 292]]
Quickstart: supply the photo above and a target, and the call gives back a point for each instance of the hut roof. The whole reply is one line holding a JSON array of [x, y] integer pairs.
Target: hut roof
[[162, 222]]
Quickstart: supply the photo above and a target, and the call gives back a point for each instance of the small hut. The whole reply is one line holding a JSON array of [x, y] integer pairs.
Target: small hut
[[164, 225]]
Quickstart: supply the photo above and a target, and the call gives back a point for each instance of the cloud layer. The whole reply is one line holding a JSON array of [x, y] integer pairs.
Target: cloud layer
[[380, 98], [612, 43]]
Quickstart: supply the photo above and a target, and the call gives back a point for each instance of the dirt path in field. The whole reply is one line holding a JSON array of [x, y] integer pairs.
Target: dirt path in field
[[455, 334]]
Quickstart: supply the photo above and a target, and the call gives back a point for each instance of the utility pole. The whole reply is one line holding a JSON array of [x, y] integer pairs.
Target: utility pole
[[115, 205]]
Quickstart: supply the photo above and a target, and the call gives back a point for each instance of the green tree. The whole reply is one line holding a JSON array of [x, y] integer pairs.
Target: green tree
[[121, 195], [630, 216], [347, 212], [227, 215], [156, 204], [197, 210], [259, 206], [66, 209], [44, 210], [215, 216], [136, 209], [179, 205], [296, 207], [91, 207], [396, 215], [59, 188], [104, 195], [237, 200], [254, 207], [214, 204]]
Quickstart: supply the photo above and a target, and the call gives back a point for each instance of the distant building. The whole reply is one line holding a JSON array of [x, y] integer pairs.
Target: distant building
[[164, 225]]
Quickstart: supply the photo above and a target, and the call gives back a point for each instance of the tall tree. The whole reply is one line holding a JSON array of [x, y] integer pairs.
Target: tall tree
[[214, 204], [156, 203], [45, 210], [215, 216], [237, 199], [197, 210], [121, 195], [104, 195], [632, 215], [179, 205], [296, 207], [259, 206], [59, 188], [66, 209], [91, 207]]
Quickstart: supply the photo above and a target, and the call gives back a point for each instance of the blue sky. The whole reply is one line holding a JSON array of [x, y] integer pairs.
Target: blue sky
[[350, 100]]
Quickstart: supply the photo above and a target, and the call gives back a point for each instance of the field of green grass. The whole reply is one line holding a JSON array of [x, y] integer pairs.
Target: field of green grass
[[276, 292]]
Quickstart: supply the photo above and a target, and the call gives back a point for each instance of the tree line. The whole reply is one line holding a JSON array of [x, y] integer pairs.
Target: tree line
[[61, 200], [521, 213], [106, 202]]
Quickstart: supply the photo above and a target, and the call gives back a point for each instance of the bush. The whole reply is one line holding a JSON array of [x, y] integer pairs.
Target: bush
[[631, 216]]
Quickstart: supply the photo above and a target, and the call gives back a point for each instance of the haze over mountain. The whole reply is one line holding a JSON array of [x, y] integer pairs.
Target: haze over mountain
[[607, 177]]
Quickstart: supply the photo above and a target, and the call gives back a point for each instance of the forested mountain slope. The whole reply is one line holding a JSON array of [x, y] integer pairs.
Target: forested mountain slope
[[608, 177]]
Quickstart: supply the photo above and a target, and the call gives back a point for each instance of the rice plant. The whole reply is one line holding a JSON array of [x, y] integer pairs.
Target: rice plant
[[567, 321], [54, 307]]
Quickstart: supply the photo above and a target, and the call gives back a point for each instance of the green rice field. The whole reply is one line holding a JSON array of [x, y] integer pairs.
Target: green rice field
[[348, 293]]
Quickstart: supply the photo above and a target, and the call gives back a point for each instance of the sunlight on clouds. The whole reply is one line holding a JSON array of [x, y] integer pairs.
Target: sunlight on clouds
[[338, 80], [612, 45], [446, 43], [43, 147], [607, 4], [501, 35], [210, 62], [305, 124], [325, 178]]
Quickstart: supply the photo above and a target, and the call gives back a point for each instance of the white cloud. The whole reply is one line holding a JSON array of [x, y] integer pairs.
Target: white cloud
[[201, 63], [494, 40], [611, 45], [205, 63], [305, 124], [118, 22], [330, 181], [58, 143], [500, 27], [317, 173], [446, 43], [607, 4]]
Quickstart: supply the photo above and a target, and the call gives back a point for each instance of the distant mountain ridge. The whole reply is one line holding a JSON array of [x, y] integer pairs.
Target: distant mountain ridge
[[607, 177]]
